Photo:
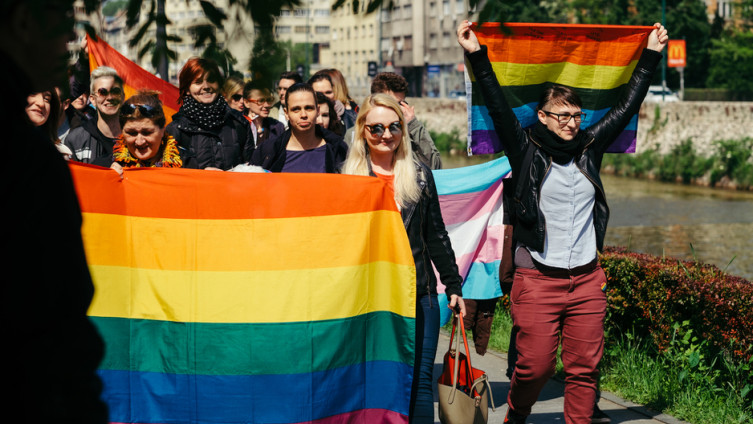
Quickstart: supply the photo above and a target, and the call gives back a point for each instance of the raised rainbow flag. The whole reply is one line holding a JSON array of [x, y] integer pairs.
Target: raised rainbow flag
[[134, 76], [471, 202], [249, 298], [595, 60]]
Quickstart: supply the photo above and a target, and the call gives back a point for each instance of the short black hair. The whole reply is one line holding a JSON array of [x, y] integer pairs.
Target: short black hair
[[300, 86], [559, 94], [291, 75], [389, 81]]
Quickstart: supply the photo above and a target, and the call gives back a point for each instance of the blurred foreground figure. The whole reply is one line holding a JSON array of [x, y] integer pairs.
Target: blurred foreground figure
[[52, 348]]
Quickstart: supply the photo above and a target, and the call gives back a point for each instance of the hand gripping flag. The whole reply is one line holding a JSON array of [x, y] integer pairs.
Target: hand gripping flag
[[249, 298], [595, 60]]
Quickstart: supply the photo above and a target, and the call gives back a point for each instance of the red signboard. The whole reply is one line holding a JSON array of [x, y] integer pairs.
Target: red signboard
[[676, 54]]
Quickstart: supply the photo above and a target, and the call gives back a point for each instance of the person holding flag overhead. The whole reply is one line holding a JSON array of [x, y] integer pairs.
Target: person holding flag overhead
[[559, 218]]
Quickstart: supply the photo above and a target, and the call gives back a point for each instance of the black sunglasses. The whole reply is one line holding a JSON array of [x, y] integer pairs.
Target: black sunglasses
[[145, 110], [115, 91], [236, 97], [377, 130]]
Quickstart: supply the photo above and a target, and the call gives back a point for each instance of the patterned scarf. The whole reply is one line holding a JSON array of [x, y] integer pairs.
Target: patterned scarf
[[170, 155], [206, 116]]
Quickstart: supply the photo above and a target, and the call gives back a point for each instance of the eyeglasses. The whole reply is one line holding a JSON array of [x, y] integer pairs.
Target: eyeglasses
[[145, 110], [115, 91], [236, 97], [268, 100], [564, 118], [377, 130]]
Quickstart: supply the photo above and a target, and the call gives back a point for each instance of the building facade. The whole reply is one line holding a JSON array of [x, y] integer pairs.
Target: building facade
[[308, 24], [355, 39]]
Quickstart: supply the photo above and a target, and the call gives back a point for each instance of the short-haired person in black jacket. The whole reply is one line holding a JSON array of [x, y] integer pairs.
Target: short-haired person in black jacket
[[381, 148], [213, 134], [305, 146], [559, 218]]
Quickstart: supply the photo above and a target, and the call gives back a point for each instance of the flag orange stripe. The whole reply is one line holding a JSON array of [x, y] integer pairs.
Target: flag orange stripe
[[160, 193]]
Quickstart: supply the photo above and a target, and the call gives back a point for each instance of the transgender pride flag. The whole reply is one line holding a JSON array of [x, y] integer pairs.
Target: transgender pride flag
[[471, 202], [594, 60]]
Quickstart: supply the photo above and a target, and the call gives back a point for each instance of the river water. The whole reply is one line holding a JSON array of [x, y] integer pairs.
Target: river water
[[710, 225]]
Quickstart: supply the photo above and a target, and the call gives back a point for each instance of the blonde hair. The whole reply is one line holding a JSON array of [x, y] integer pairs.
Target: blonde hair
[[407, 190]]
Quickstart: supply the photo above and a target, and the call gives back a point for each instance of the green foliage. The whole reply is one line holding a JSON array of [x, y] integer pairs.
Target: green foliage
[[607, 12], [446, 142], [514, 11], [269, 57], [735, 47], [731, 160], [682, 163], [112, 7]]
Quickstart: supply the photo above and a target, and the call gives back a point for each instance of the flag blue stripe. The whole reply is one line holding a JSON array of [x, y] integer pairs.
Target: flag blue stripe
[[480, 119], [145, 397], [471, 179]]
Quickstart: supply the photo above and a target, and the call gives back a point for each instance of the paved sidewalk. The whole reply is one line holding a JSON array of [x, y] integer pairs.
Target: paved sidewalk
[[549, 407]]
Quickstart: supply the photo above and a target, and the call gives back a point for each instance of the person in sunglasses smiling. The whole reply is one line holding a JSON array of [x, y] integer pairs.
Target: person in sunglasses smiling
[[144, 142], [381, 147], [93, 141]]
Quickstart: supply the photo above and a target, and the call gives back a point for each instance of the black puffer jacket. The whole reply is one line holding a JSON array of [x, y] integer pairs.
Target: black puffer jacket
[[221, 148], [429, 241], [530, 163], [271, 154]]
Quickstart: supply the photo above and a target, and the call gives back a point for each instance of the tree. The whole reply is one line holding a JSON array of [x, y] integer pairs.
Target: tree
[[735, 47], [605, 12], [261, 13]]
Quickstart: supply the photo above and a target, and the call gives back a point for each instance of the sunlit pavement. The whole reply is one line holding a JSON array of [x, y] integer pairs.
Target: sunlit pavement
[[549, 407]]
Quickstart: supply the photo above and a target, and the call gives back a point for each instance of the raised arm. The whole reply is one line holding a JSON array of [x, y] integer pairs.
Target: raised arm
[[609, 127], [506, 125]]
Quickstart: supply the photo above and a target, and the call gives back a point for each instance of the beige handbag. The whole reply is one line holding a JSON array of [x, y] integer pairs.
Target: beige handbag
[[464, 391]]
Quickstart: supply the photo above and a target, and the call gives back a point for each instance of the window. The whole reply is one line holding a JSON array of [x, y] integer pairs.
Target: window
[[459, 6], [445, 7], [446, 41], [283, 29], [301, 29], [408, 42], [321, 29], [323, 12], [285, 12], [300, 13], [407, 11], [385, 15]]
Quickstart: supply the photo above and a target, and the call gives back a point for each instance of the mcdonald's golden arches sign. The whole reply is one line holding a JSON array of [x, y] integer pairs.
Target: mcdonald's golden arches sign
[[676, 56]]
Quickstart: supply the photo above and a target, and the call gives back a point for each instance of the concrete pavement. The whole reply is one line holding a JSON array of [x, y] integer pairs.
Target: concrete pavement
[[550, 405]]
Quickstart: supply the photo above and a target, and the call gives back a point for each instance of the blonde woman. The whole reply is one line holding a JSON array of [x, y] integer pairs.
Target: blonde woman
[[381, 148]]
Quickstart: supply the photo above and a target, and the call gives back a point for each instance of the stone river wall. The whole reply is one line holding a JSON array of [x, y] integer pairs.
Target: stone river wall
[[662, 124]]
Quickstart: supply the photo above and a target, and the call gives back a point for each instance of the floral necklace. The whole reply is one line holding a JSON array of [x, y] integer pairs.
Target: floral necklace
[[170, 155]]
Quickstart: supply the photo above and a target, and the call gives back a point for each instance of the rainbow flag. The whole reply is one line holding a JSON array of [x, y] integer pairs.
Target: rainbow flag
[[134, 76], [595, 60], [249, 298], [471, 202]]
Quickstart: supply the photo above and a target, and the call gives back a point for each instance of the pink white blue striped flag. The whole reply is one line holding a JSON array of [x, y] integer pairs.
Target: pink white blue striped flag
[[471, 202]]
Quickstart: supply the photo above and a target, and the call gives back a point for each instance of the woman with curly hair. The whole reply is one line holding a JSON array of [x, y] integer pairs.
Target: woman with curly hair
[[143, 141]]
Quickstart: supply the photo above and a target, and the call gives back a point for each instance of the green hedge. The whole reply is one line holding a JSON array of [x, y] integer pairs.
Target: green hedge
[[649, 295]]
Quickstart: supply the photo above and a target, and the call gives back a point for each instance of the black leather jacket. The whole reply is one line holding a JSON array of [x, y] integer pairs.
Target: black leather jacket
[[429, 241], [220, 148], [530, 163]]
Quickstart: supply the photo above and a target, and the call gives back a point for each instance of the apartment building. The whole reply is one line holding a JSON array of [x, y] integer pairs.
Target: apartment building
[[310, 24], [354, 45]]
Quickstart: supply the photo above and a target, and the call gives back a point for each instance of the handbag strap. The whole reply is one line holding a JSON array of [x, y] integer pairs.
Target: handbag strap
[[458, 317]]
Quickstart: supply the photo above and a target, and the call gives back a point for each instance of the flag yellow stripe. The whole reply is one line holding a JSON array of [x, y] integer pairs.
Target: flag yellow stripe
[[596, 77], [252, 296], [231, 245]]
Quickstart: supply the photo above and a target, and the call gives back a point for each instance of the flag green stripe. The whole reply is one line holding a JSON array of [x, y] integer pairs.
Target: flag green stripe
[[254, 349]]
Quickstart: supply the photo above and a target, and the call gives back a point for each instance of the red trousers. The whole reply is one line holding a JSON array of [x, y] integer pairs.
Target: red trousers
[[552, 306]]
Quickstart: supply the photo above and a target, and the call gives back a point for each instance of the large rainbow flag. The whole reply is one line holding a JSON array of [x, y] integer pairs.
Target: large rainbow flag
[[134, 77], [249, 298], [471, 202], [595, 60]]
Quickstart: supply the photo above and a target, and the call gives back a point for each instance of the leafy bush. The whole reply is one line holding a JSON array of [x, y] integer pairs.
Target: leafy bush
[[446, 142], [648, 295]]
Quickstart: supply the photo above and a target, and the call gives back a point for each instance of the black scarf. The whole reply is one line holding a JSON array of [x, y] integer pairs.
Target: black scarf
[[561, 151], [205, 116]]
